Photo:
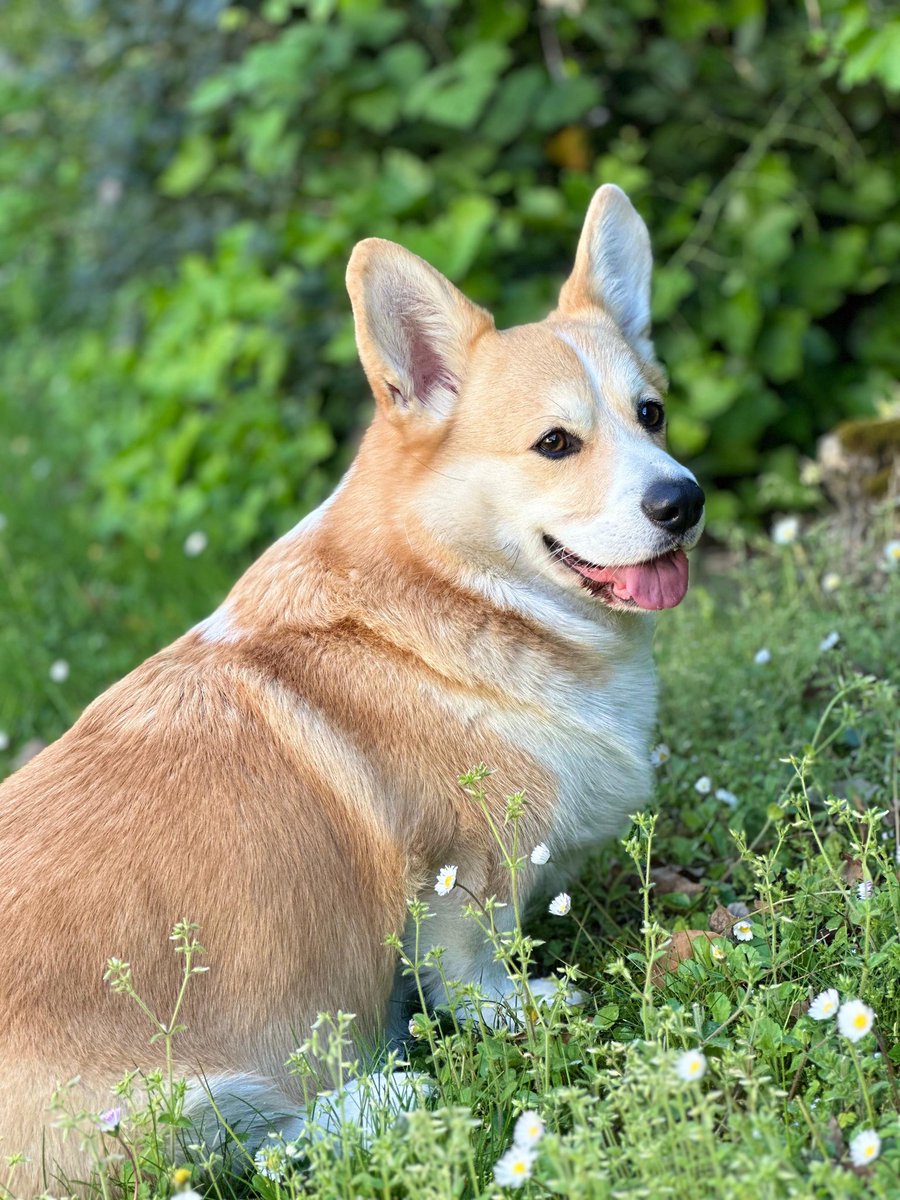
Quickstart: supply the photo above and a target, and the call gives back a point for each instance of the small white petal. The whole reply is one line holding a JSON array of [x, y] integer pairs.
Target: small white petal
[[540, 854], [825, 1005], [785, 531], [761, 657], [446, 880], [4, 740], [865, 1147], [660, 754], [831, 581], [561, 904], [865, 889], [829, 642], [529, 1129], [892, 554], [727, 797], [59, 671], [514, 1168], [855, 1019], [690, 1065], [703, 785], [195, 543]]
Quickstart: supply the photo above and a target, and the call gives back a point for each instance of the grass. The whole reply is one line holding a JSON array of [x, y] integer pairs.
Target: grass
[[805, 747]]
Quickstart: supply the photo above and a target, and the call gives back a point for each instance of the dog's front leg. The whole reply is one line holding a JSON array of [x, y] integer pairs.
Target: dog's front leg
[[454, 950]]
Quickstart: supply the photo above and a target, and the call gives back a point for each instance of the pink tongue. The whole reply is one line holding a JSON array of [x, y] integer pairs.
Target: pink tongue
[[660, 583]]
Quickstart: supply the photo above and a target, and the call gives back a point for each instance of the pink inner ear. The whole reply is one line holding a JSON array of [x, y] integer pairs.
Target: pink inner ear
[[430, 371]]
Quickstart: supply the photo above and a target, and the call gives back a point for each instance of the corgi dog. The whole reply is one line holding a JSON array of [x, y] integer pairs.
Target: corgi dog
[[479, 588]]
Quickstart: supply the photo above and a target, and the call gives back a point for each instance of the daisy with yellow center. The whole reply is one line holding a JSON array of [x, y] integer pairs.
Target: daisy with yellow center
[[446, 880], [560, 905], [825, 1005], [529, 1129], [855, 1019], [718, 954], [690, 1066], [514, 1168], [865, 1147], [743, 931]]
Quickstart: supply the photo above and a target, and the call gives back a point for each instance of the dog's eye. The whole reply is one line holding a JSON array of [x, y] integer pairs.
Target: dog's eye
[[557, 444], [651, 415]]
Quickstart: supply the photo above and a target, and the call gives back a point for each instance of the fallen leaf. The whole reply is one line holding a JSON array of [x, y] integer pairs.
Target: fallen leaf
[[667, 880], [721, 920], [852, 871], [680, 948]]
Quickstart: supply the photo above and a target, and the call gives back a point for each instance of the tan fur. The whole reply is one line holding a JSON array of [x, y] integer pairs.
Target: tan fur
[[288, 779]]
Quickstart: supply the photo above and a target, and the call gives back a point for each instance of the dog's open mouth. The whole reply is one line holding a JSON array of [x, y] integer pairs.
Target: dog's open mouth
[[658, 583]]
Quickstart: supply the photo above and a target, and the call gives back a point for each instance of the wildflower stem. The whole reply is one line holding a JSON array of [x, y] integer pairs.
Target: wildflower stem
[[862, 1083]]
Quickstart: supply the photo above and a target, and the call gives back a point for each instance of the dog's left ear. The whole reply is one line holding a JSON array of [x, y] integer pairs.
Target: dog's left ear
[[612, 267], [414, 330]]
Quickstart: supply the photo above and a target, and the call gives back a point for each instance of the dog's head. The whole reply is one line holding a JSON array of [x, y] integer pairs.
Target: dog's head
[[536, 452]]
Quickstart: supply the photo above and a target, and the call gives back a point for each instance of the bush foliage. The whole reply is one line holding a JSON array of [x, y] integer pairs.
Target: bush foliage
[[183, 184]]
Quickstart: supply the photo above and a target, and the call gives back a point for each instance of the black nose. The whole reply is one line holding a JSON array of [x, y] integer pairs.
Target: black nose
[[674, 504]]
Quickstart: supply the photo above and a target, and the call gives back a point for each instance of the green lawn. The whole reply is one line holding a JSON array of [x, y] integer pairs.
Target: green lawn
[[804, 747]]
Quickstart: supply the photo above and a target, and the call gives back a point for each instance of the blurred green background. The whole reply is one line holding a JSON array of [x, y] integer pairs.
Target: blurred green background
[[181, 182]]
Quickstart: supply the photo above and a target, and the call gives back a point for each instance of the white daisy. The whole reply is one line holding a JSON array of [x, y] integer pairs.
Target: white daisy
[[446, 880], [831, 581], [190, 1194], [560, 904], [514, 1168], [855, 1019], [413, 1028], [865, 1147], [540, 854], [761, 657], [830, 641], [727, 797], [195, 543], [529, 1129], [690, 1066], [892, 554], [59, 671], [865, 889], [825, 1005], [718, 953], [660, 754], [269, 1162], [743, 931], [703, 785], [786, 530]]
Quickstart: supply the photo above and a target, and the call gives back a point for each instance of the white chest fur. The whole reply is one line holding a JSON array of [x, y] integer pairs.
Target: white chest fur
[[595, 740]]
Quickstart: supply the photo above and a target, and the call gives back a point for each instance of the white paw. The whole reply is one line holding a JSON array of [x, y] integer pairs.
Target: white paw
[[514, 1007], [370, 1104]]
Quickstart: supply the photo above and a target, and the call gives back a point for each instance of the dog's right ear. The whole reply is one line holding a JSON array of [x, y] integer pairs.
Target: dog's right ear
[[414, 329]]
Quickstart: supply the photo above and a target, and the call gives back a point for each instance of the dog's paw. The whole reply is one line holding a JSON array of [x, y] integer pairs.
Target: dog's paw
[[369, 1105], [515, 1006]]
